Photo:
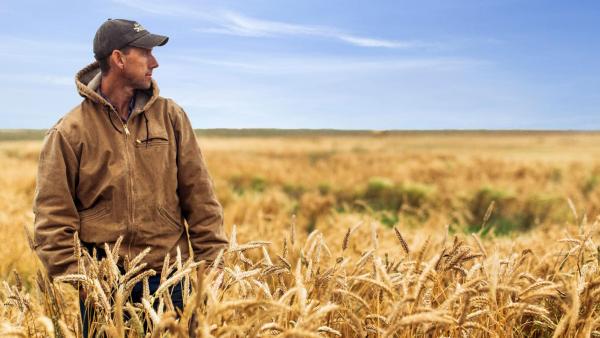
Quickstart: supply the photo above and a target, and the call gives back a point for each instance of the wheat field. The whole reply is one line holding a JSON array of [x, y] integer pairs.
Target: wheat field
[[462, 234]]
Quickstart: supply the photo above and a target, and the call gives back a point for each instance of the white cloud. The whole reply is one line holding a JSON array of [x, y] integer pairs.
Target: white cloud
[[259, 64], [57, 80], [172, 9], [43, 52], [237, 24], [38, 79], [232, 23], [12, 42], [369, 42]]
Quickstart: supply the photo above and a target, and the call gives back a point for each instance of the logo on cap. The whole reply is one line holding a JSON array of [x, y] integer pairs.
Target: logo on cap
[[138, 28]]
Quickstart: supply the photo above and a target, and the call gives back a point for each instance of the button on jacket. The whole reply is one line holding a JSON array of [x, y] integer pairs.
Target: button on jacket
[[142, 179]]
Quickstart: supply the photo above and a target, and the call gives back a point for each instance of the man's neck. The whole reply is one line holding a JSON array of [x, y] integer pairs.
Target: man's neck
[[118, 94]]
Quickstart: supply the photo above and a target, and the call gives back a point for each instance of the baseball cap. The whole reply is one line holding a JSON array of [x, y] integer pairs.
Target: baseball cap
[[119, 33]]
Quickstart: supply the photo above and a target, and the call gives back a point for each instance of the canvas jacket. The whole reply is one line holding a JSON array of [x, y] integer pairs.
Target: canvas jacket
[[141, 179]]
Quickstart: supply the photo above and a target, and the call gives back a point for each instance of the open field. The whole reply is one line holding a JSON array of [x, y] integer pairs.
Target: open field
[[527, 265]]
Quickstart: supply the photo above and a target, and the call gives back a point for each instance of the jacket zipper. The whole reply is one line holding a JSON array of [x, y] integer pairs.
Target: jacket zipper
[[130, 182], [129, 193]]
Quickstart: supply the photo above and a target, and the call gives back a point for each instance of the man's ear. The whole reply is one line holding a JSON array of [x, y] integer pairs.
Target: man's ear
[[118, 59]]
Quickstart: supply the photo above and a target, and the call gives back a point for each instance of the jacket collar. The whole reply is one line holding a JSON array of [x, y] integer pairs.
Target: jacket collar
[[88, 79]]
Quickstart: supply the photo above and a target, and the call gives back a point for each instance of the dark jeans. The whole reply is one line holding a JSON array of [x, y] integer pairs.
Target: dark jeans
[[136, 297]]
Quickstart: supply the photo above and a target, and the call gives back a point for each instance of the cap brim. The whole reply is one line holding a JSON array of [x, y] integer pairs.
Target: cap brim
[[149, 41]]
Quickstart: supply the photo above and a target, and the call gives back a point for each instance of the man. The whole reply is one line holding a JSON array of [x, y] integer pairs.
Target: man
[[124, 162]]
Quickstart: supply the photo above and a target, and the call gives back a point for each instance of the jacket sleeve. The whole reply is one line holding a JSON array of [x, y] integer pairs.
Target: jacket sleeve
[[56, 217], [199, 203]]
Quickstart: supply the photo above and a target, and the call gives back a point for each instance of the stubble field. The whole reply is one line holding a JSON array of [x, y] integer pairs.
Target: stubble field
[[354, 235]]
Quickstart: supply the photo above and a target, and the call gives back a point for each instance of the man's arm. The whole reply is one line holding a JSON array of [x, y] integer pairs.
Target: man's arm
[[56, 217], [199, 204]]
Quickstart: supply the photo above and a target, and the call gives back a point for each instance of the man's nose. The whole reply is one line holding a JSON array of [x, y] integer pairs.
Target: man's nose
[[153, 62]]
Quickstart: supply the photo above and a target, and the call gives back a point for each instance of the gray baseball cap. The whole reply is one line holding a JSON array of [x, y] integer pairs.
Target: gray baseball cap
[[119, 33]]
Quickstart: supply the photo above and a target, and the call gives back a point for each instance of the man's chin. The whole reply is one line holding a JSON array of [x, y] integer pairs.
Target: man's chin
[[145, 85]]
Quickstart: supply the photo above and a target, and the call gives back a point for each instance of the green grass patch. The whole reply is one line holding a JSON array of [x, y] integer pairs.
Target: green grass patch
[[240, 184], [382, 194], [512, 212]]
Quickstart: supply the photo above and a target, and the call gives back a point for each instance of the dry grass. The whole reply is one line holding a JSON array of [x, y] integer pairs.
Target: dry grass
[[339, 268]]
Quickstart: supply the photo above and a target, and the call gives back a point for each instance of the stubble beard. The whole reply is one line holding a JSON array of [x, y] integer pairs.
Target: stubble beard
[[142, 83]]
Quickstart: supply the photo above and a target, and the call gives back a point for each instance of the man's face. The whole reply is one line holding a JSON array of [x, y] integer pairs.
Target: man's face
[[138, 65]]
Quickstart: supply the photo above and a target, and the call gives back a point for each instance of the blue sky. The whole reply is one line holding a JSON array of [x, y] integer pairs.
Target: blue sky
[[324, 64]]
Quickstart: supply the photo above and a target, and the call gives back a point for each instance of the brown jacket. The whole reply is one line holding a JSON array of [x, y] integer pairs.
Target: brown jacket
[[104, 178]]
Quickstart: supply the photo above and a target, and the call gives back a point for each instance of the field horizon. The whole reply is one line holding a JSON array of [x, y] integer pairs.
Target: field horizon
[[17, 134]]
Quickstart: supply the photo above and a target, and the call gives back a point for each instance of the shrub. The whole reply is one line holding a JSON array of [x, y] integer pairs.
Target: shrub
[[416, 195], [514, 214], [294, 191], [241, 184], [381, 193], [590, 184]]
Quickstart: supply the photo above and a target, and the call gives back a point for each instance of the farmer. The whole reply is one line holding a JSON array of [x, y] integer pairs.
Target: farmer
[[124, 162]]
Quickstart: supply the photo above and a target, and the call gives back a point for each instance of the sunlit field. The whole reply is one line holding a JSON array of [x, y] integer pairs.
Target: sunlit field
[[462, 234]]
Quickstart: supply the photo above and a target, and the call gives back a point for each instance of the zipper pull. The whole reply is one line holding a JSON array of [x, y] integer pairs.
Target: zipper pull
[[126, 129], [138, 141]]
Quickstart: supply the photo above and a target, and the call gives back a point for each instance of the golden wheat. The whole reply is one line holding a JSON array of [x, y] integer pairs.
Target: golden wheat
[[294, 267]]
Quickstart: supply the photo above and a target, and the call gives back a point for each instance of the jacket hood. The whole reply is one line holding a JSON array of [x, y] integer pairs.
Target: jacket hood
[[88, 80]]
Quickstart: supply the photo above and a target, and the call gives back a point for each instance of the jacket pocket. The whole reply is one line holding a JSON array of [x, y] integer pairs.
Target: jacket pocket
[[152, 141], [93, 213], [169, 219], [96, 225]]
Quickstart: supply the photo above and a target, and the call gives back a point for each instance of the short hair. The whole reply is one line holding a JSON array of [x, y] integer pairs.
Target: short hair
[[105, 63]]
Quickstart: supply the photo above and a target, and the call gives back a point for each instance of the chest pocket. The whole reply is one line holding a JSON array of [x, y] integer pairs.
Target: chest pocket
[[154, 135], [152, 141]]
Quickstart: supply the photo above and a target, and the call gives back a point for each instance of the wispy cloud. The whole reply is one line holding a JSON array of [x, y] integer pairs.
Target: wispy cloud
[[19, 43], [237, 24], [370, 42], [233, 23], [53, 52], [160, 8], [38, 79], [260, 64]]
